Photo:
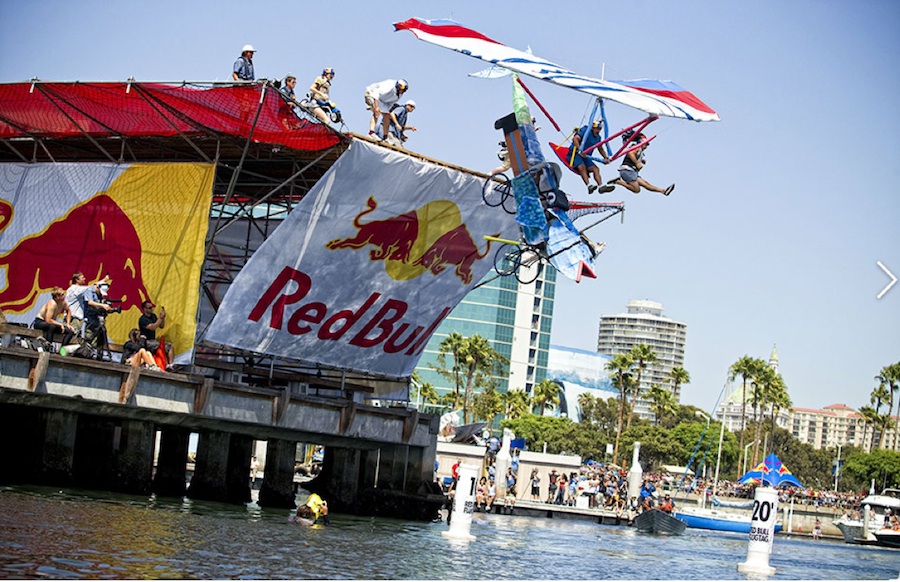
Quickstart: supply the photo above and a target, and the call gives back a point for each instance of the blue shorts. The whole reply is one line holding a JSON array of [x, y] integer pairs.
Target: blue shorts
[[628, 174], [580, 160]]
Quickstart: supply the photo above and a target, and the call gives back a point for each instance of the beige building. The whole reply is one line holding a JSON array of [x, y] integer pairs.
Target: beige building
[[644, 323]]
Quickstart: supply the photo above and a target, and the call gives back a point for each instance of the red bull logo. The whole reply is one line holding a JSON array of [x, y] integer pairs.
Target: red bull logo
[[96, 237], [377, 323], [429, 239]]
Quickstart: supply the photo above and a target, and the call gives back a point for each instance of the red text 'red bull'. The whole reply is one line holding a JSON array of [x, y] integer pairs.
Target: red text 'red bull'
[[377, 323]]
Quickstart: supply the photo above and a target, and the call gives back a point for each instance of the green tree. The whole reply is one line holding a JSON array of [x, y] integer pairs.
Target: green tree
[[424, 390], [487, 405], [881, 465], [889, 377], [662, 402], [619, 368], [877, 398], [678, 376], [870, 418], [475, 365], [516, 403], [546, 393], [745, 367], [643, 356]]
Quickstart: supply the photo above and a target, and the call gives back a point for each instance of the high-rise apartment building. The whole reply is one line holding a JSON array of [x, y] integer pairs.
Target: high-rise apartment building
[[516, 321], [644, 323]]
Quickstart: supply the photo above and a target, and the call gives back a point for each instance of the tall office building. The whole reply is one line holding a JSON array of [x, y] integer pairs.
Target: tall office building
[[514, 318], [644, 323]]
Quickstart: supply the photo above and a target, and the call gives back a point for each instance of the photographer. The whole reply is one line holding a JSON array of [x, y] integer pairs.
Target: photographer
[[95, 312]]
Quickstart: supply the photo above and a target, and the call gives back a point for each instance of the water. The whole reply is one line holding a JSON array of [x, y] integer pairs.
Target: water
[[48, 533]]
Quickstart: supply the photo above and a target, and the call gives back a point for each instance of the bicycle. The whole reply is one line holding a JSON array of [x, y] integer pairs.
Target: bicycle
[[518, 258], [497, 190], [309, 104]]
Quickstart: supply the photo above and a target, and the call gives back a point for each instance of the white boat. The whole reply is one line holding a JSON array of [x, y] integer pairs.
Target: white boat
[[889, 538], [854, 530]]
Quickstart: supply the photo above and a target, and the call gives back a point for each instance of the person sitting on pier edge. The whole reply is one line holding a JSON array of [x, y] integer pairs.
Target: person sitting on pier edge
[[47, 318], [481, 494], [134, 351]]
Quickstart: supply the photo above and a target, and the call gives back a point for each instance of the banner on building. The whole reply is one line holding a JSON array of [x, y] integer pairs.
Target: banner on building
[[366, 267], [143, 225]]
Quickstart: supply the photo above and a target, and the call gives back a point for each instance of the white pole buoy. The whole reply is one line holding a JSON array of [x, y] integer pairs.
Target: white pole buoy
[[866, 510], [762, 532], [463, 505], [502, 463], [635, 473]]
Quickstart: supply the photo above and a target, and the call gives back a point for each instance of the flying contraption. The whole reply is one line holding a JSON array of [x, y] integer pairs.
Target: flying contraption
[[654, 97]]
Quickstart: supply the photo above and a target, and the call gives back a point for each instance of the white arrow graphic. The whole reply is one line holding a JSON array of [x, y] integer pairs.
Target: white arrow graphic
[[889, 285]]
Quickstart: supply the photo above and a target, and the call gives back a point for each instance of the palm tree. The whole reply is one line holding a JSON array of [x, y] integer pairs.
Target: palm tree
[[588, 406], [878, 397], [744, 367], [474, 361], [516, 403], [763, 380], [679, 376], [662, 402], [643, 355], [869, 417], [778, 400], [619, 368], [487, 405], [890, 377], [450, 345], [546, 393]]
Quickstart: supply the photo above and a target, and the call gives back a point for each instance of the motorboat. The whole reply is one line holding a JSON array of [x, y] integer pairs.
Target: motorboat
[[716, 519], [854, 530], [657, 521], [889, 538]]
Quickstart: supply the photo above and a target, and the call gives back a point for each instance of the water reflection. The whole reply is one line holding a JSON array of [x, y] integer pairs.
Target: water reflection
[[75, 534]]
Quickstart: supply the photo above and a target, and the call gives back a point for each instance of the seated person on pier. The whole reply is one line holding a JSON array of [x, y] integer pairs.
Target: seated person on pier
[[47, 318], [148, 324], [135, 352]]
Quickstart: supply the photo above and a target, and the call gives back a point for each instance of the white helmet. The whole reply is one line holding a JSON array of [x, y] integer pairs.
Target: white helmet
[[248, 47], [410, 102]]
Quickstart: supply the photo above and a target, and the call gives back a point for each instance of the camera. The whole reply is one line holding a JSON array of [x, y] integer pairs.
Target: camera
[[113, 302]]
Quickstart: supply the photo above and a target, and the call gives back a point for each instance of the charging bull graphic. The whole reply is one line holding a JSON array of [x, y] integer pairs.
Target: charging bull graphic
[[96, 238], [430, 238]]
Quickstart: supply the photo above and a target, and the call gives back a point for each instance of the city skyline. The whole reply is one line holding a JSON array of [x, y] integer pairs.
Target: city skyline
[[782, 210]]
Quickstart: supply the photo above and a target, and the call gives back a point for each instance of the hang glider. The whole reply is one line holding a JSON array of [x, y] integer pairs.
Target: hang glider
[[653, 97]]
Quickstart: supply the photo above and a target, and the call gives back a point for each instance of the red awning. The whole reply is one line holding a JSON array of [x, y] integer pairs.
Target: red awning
[[60, 110]]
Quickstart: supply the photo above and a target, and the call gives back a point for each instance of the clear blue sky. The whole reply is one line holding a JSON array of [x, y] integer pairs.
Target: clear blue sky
[[781, 210]]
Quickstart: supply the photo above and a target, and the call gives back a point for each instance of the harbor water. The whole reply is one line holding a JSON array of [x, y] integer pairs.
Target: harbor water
[[48, 533]]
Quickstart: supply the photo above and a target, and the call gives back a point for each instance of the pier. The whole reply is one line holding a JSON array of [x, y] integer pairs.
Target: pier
[[73, 422]]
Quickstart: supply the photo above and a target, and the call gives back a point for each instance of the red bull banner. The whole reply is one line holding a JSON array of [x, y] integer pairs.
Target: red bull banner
[[142, 225], [366, 267]]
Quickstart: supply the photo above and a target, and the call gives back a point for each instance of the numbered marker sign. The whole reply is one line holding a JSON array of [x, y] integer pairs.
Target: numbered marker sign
[[762, 522]]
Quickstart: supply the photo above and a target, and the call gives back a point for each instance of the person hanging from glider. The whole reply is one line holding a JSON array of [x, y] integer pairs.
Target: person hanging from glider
[[586, 139], [632, 162]]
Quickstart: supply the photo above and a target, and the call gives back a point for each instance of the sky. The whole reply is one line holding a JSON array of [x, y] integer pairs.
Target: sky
[[781, 211]]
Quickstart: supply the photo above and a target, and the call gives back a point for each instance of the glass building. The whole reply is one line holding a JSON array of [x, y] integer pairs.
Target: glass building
[[516, 321]]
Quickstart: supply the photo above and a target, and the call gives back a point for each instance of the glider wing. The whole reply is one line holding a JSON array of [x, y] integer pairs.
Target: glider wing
[[654, 97]]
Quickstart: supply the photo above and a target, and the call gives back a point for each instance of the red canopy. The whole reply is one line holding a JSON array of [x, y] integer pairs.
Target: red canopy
[[60, 110]]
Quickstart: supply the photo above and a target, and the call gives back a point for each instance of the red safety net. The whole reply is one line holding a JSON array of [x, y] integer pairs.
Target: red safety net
[[60, 110]]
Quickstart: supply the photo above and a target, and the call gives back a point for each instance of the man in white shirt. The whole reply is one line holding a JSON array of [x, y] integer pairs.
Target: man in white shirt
[[379, 99]]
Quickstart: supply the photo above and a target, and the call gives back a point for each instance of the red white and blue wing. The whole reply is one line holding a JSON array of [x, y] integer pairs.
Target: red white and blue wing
[[654, 97]]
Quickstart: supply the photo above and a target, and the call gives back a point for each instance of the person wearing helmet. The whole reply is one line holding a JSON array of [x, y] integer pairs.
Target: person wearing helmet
[[583, 164], [379, 99], [243, 67], [319, 90], [397, 121], [632, 162]]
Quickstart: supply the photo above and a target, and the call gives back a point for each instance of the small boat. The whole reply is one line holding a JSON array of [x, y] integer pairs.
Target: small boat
[[889, 538], [657, 521], [853, 530], [716, 519]]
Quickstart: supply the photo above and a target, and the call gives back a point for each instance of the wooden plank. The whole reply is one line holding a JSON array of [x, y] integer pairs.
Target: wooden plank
[[38, 372], [409, 424], [202, 395], [129, 384]]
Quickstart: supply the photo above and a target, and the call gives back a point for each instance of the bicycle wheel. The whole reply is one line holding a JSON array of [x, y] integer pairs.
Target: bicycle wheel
[[507, 259], [495, 190], [509, 202], [530, 266]]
